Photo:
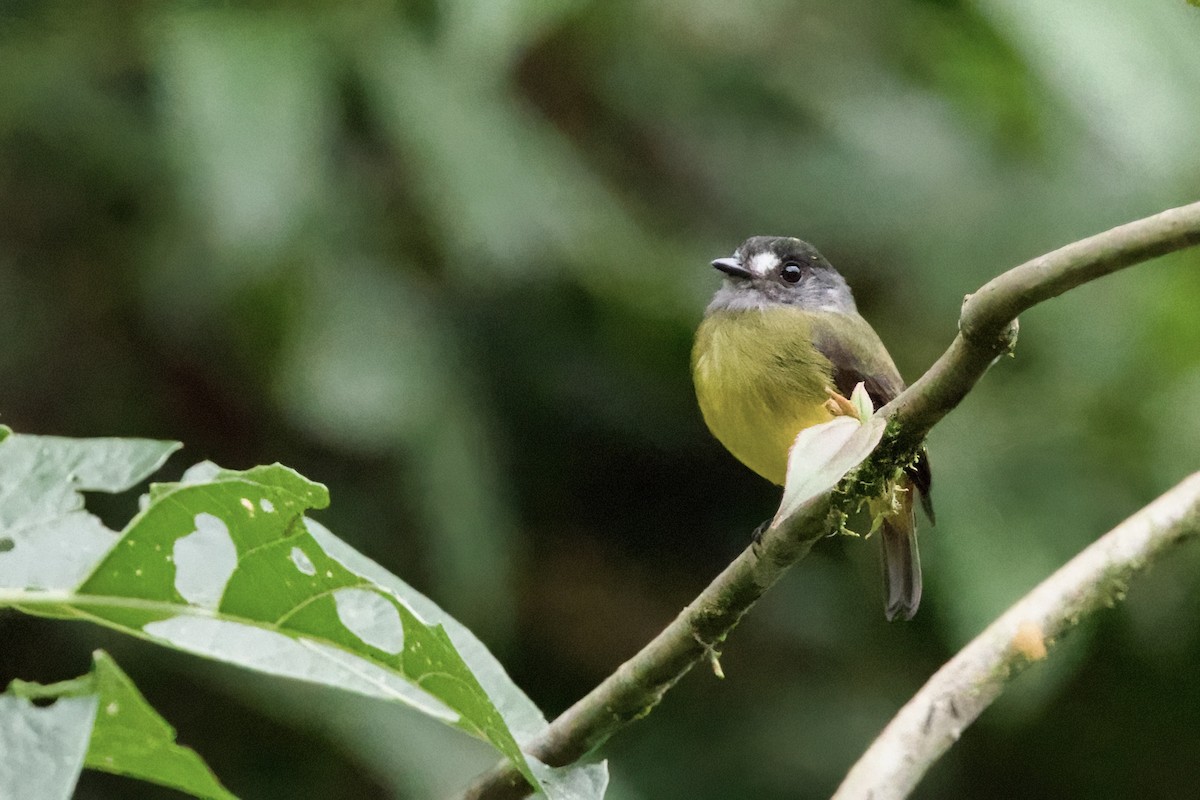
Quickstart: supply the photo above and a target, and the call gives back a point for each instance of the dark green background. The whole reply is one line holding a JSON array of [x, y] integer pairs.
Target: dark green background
[[446, 257]]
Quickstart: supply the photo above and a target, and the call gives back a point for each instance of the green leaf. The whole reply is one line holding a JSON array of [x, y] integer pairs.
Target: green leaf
[[100, 721], [47, 540], [130, 738], [225, 565], [42, 749], [577, 782], [523, 717]]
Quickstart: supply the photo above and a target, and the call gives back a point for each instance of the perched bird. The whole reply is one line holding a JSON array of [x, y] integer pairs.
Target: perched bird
[[779, 339]]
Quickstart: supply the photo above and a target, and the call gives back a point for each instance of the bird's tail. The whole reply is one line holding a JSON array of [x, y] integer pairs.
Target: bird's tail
[[901, 561]]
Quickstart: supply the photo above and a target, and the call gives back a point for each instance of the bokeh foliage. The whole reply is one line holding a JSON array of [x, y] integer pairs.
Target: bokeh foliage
[[446, 257]]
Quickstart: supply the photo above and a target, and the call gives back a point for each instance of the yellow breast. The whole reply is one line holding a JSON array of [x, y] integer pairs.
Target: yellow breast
[[760, 381]]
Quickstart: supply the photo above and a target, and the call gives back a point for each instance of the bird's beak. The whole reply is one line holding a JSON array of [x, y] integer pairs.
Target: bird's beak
[[732, 267]]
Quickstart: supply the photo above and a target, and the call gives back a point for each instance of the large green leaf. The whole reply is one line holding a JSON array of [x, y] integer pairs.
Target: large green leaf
[[224, 564], [100, 721]]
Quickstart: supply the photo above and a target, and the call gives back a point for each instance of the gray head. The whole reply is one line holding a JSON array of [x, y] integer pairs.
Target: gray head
[[769, 270]]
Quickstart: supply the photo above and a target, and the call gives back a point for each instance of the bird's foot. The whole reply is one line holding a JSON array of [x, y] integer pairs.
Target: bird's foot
[[840, 406]]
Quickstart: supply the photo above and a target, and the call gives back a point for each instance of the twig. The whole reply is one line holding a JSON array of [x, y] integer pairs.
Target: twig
[[987, 330], [959, 692]]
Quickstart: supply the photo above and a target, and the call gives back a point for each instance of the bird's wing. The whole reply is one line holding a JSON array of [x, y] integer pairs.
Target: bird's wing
[[861, 360], [856, 355]]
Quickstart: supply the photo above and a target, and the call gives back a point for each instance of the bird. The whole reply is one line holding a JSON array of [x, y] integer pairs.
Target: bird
[[780, 338]]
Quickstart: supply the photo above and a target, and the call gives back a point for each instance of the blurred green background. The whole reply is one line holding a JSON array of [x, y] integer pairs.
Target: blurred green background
[[446, 257]]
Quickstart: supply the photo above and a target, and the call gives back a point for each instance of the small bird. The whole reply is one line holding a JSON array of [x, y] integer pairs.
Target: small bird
[[781, 337]]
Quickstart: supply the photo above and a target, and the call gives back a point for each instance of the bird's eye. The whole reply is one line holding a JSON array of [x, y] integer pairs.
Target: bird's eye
[[791, 272]]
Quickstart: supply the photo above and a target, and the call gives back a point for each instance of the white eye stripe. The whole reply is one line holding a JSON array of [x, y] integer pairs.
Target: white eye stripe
[[763, 263]]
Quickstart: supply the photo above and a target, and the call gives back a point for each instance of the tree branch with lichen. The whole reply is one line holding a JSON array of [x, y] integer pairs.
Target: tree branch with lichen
[[987, 330]]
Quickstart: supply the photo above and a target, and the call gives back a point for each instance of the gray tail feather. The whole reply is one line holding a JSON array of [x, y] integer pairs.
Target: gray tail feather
[[901, 564]]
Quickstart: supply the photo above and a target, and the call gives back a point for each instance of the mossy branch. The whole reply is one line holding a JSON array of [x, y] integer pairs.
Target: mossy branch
[[987, 330]]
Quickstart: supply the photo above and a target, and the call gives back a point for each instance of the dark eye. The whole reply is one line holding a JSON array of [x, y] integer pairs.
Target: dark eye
[[791, 272]]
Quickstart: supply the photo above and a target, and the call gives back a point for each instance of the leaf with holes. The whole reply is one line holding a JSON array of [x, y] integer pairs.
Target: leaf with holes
[[225, 565], [99, 721]]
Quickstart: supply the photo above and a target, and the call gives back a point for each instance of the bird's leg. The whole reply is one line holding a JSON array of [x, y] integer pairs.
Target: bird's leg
[[840, 406]]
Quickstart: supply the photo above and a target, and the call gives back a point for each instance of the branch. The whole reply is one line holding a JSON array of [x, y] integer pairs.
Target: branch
[[959, 692], [693, 636], [987, 329]]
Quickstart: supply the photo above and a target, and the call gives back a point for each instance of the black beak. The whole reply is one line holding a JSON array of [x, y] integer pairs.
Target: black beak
[[732, 267]]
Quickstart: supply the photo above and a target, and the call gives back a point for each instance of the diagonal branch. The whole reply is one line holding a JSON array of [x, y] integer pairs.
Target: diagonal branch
[[638, 684], [987, 327], [968, 683], [987, 330]]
